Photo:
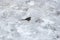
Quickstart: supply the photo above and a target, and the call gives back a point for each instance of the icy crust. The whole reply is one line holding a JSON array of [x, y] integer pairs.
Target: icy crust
[[43, 25]]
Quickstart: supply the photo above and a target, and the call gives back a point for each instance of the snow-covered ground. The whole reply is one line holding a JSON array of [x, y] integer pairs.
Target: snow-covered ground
[[29, 19]]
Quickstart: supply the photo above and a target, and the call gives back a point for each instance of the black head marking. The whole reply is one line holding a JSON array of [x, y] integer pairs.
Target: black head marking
[[28, 19]]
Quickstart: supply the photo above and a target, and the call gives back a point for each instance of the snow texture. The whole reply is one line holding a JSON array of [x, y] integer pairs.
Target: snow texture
[[29, 19]]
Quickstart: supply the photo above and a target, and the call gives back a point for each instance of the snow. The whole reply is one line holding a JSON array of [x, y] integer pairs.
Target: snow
[[44, 23]]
